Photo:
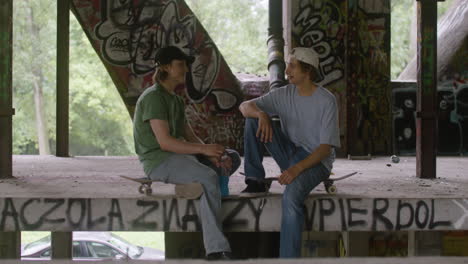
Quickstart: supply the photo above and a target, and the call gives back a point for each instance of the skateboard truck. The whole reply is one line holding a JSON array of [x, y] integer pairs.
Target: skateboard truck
[[329, 183], [145, 188], [188, 191]]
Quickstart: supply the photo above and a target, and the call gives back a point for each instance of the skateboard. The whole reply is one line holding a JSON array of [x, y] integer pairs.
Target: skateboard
[[329, 183], [189, 191], [330, 187]]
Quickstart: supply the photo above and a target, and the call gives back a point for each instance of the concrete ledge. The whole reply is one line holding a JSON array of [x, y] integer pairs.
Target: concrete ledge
[[411, 260], [257, 214], [86, 193]]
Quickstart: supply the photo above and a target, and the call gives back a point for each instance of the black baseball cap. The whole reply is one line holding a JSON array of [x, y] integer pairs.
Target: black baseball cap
[[167, 54]]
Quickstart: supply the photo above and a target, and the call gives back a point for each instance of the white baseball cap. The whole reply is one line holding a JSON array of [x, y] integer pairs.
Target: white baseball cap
[[307, 55]]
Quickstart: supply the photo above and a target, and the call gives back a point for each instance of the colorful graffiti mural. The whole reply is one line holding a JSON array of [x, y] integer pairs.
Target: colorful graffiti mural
[[452, 117], [368, 77], [321, 25], [352, 37], [126, 35]]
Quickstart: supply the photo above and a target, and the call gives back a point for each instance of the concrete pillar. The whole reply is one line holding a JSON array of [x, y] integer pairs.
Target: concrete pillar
[[6, 94], [63, 51], [424, 243], [62, 245], [426, 108], [244, 245], [320, 244], [10, 245], [356, 244]]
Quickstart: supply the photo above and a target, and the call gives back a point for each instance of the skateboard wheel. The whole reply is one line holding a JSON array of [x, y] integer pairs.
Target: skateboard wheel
[[141, 189], [331, 189], [148, 191]]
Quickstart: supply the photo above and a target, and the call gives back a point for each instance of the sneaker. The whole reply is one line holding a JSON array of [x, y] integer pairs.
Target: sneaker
[[255, 188], [190, 191], [223, 255]]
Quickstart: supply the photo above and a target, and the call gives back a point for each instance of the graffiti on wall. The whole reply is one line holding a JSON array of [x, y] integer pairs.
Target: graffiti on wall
[[452, 122], [127, 34], [321, 25], [260, 214], [368, 67]]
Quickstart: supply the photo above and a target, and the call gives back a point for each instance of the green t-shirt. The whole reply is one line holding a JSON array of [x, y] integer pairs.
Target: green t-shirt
[[156, 103]]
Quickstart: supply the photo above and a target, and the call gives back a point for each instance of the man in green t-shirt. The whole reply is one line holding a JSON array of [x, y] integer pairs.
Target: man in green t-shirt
[[170, 151]]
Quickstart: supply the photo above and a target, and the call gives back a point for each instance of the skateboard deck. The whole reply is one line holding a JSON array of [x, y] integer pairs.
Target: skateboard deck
[[329, 183], [187, 191]]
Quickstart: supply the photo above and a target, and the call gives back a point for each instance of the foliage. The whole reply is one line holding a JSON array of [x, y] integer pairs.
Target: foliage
[[402, 11], [239, 29], [99, 121]]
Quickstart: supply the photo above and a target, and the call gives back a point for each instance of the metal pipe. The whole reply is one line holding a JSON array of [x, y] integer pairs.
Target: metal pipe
[[6, 107], [275, 43], [63, 40]]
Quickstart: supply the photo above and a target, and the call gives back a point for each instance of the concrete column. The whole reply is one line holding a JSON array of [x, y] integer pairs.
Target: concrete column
[[10, 245], [424, 243], [320, 244], [356, 244], [6, 95], [63, 47], [244, 245], [426, 109], [62, 245]]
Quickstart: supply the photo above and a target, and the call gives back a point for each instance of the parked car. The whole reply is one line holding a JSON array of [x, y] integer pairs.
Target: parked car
[[92, 246]]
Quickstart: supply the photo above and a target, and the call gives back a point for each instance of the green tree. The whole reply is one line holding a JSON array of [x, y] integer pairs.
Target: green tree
[[99, 121], [239, 30], [403, 32]]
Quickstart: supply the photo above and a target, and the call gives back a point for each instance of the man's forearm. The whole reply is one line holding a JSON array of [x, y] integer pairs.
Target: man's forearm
[[314, 158], [250, 109], [172, 144]]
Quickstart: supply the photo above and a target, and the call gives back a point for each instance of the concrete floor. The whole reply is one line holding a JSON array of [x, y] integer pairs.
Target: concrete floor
[[98, 177]]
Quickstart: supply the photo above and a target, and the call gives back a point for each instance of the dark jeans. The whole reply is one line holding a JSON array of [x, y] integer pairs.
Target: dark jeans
[[286, 154]]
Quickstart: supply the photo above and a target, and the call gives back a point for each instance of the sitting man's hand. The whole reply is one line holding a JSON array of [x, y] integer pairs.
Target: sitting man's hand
[[213, 151], [288, 175], [265, 130], [225, 162]]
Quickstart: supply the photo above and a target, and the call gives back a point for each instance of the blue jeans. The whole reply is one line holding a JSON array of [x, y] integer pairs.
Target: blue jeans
[[286, 154], [181, 169]]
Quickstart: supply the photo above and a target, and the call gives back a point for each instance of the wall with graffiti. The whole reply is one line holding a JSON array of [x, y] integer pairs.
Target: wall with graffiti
[[452, 102], [368, 77], [126, 35], [452, 96], [353, 41]]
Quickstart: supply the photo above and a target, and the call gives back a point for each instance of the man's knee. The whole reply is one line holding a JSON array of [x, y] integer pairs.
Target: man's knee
[[251, 123], [292, 200]]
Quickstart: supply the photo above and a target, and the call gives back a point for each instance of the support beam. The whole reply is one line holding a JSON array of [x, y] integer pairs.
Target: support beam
[[10, 245], [62, 245], [63, 39], [424, 243], [426, 110], [6, 108], [356, 244]]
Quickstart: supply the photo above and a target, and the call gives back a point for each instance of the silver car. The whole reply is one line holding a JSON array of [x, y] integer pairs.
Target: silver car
[[92, 246]]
